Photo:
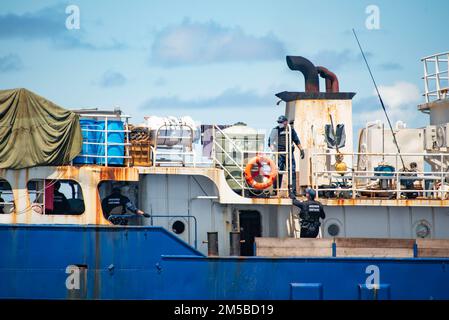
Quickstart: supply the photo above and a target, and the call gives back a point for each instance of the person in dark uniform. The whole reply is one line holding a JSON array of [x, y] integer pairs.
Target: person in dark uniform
[[60, 203], [277, 142], [311, 213], [116, 200], [2, 204]]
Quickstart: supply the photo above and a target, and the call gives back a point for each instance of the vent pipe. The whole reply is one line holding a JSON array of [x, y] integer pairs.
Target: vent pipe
[[309, 71], [332, 84]]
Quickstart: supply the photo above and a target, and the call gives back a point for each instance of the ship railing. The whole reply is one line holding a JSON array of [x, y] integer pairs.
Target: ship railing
[[181, 153], [355, 182], [106, 158], [436, 76], [184, 154], [238, 159]]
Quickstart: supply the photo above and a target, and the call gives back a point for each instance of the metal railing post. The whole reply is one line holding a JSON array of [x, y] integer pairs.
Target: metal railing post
[[426, 82], [437, 77], [442, 175], [354, 182], [127, 143], [398, 184], [214, 160], [290, 160], [106, 140]]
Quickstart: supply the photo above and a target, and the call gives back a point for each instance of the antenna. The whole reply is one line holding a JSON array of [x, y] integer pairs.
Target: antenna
[[381, 101]]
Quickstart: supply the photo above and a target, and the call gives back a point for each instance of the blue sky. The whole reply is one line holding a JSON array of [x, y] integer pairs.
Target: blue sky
[[218, 61]]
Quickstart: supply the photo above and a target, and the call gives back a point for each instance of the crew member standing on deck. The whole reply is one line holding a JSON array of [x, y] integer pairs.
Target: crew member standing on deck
[[119, 201], [311, 213], [277, 143]]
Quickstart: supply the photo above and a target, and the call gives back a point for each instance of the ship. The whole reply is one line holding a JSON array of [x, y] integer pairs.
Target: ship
[[212, 229]]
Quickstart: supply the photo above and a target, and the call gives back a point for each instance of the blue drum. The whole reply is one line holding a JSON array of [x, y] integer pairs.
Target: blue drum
[[115, 143], [90, 135]]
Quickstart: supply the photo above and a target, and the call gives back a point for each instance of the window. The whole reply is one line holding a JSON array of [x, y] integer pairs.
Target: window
[[6, 198], [119, 198], [57, 197]]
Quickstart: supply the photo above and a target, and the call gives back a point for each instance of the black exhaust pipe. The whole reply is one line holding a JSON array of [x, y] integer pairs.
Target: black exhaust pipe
[[309, 71]]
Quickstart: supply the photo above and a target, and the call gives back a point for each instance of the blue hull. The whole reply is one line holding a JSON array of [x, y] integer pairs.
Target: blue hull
[[151, 263]]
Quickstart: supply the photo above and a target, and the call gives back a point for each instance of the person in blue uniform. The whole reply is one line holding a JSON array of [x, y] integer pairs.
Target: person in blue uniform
[[277, 142], [116, 199], [311, 213]]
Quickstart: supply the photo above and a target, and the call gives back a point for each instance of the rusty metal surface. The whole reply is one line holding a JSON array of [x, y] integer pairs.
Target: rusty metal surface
[[308, 69], [332, 84], [91, 175], [88, 177]]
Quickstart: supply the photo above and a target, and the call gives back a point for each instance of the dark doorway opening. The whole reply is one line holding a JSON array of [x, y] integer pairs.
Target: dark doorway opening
[[250, 227]]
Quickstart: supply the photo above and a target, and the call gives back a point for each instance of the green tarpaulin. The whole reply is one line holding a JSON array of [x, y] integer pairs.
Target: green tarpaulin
[[35, 131]]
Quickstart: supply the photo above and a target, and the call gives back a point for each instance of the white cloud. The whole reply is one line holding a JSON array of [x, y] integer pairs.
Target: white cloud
[[48, 23], [202, 43], [400, 94], [335, 59], [401, 100], [230, 98]]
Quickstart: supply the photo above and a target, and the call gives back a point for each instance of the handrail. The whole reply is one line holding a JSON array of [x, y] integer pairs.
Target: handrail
[[241, 154], [434, 55], [227, 154], [350, 179], [436, 80], [154, 149], [411, 154]]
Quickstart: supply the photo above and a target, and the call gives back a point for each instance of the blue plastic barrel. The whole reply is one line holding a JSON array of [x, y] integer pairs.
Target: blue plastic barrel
[[384, 170], [113, 137], [89, 151]]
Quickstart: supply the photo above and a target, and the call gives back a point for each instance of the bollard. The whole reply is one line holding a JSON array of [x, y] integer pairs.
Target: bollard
[[212, 243], [234, 241]]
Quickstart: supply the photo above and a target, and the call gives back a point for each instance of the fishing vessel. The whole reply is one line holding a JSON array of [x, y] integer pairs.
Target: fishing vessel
[[217, 226]]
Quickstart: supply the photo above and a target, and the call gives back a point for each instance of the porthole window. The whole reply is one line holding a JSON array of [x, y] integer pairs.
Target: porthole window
[[423, 229], [333, 230], [178, 227]]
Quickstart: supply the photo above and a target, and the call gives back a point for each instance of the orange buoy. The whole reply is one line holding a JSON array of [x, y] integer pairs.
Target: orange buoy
[[261, 163]]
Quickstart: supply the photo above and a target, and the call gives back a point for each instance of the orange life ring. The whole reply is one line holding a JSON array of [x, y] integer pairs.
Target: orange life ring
[[250, 176]]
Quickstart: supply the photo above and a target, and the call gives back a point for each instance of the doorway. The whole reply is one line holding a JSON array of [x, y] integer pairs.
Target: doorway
[[250, 227]]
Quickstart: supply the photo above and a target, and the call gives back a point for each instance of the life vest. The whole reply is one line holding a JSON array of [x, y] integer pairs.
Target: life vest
[[268, 178]]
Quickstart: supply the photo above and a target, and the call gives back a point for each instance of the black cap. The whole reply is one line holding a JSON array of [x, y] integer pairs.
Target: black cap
[[282, 119]]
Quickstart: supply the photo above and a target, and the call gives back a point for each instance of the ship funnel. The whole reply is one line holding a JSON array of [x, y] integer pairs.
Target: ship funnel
[[331, 79], [309, 71]]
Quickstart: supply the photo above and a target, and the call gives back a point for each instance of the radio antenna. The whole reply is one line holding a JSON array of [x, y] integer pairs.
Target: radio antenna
[[380, 99]]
